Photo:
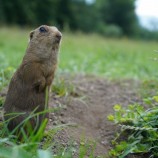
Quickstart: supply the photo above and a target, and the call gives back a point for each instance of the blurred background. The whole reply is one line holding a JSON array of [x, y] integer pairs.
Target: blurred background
[[114, 18], [111, 38]]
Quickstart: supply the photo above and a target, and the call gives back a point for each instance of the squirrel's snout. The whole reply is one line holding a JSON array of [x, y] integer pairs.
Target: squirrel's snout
[[58, 36]]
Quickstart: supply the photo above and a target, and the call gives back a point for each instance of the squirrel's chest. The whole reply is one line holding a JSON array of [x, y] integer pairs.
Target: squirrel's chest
[[48, 68]]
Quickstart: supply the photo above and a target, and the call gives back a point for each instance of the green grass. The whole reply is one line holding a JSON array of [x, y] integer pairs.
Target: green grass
[[112, 58], [89, 54], [138, 134]]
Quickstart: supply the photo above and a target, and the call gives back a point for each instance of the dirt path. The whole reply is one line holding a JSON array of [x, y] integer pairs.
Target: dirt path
[[89, 107]]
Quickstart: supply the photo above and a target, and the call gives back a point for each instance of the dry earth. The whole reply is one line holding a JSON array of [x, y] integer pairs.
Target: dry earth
[[88, 107]]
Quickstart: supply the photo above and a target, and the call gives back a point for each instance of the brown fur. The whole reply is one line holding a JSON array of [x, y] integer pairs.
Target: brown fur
[[28, 85]]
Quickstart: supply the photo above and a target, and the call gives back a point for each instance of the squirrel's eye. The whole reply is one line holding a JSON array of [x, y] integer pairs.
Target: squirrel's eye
[[42, 29]]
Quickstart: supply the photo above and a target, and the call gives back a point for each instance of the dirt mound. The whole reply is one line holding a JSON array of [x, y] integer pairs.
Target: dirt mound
[[88, 108]]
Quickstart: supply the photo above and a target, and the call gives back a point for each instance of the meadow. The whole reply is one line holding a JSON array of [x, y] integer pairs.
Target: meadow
[[88, 54]]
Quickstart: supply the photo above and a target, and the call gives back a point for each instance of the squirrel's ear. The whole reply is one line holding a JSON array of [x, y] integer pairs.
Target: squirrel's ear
[[31, 34]]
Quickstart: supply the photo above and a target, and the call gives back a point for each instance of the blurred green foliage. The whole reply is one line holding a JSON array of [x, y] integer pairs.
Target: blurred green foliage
[[110, 18], [109, 57]]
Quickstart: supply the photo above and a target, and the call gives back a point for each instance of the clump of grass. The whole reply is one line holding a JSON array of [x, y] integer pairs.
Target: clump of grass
[[36, 144], [87, 148], [1, 101], [61, 87], [26, 146], [148, 88], [41, 145], [140, 128], [5, 75]]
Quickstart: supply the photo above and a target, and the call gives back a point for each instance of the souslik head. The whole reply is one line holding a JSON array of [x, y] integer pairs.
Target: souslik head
[[46, 38]]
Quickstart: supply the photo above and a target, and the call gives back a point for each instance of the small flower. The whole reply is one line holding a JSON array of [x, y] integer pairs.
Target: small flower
[[117, 107], [110, 117]]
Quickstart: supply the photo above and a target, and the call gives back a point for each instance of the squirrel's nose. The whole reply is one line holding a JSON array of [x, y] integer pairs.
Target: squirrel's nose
[[58, 36]]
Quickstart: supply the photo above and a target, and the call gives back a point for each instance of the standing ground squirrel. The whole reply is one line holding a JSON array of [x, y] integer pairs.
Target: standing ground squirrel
[[28, 86]]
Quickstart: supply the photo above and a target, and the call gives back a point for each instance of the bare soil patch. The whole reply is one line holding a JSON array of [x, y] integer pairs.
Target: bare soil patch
[[88, 107]]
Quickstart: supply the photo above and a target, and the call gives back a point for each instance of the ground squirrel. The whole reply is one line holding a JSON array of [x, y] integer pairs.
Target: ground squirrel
[[34, 76]]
